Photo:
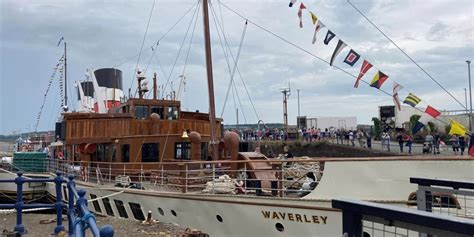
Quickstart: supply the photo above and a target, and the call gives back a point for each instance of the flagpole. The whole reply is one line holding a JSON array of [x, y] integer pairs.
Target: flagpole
[[470, 93], [65, 77]]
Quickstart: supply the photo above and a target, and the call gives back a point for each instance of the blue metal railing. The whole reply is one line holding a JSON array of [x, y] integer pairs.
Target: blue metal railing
[[354, 212], [78, 223]]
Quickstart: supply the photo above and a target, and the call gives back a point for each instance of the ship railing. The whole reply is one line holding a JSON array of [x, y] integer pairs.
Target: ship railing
[[451, 197], [368, 219], [281, 178]]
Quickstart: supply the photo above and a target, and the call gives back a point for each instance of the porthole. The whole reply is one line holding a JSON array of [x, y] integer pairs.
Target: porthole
[[219, 218], [161, 211], [173, 212], [279, 227]]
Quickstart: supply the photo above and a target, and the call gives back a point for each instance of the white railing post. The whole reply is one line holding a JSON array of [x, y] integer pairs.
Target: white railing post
[[162, 176], [245, 177], [213, 177], [110, 173], [186, 178]]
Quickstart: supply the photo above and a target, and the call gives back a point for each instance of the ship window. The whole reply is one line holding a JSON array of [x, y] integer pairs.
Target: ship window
[[137, 211], [172, 113], [121, 208], [141, 112], [96, 203], [204, 151], [102, 152], [182, 151], [150, 152], [158, 110], [126, 153], [108, 207]]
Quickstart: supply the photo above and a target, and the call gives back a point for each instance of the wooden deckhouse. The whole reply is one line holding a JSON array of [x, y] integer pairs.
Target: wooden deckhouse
[[139, 130]]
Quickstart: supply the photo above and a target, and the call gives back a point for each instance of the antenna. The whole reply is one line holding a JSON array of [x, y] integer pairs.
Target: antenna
[[286, 94]]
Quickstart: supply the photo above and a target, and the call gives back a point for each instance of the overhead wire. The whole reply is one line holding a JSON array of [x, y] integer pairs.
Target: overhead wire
[[143, 41], [237, 68], [309, 53], [408, 56], [180, 48], [161, 38]]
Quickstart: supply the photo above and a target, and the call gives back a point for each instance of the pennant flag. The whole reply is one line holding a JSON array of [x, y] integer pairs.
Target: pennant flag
[[352, 57], [319, 26], [457, 128], [300, 14], [396, 88], [329, 37], [291, 3], [365, 67], [314, 18], [378, 80], [60, 40], [412, 100], [432, 111], [418, 126], [340, 45]]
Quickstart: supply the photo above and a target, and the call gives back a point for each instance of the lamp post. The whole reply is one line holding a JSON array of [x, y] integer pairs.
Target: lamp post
[[470, 93]]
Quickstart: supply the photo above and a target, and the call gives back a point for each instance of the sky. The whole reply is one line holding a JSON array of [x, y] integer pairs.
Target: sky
[[437, 34]]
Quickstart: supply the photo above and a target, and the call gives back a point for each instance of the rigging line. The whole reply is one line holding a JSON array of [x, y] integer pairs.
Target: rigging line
[[153, 50], [238, 70], [187, 56], [222, 19], [311, 54], [408, 56], [181, 47], [235, 66], [190, 44], [162, 37], [240, 103], [143, 41]]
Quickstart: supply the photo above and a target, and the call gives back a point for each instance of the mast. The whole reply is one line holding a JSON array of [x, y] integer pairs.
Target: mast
[[65, 77], [213, 144]]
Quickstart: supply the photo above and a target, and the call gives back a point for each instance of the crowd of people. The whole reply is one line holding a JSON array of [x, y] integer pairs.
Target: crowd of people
[[431, 143]]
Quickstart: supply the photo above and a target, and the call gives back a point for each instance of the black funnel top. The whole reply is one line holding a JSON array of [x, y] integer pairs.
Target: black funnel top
[[109, 77], [88, 89]]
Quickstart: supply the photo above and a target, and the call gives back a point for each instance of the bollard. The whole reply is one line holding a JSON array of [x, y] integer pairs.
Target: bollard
[[19, 227], [59, 203]]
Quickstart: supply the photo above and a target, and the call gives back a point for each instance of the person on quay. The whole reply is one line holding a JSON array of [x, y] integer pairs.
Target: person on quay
[[408, 141], [400, 141]]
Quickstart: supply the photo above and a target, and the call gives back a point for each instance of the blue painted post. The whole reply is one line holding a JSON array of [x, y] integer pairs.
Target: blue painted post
[[70, 211], [20, 228], [59, 202], [81, 201], [107, 231]]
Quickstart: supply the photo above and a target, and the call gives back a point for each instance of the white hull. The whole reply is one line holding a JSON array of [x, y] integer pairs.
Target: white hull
[[241, 216]]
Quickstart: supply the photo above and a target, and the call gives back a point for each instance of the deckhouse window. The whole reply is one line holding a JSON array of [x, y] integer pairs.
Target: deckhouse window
[[150, 152], [182, 151], [158, 110], [102, 152], [141, 112], [172, 113], [126, 153]]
